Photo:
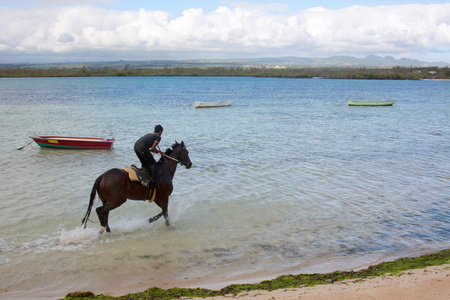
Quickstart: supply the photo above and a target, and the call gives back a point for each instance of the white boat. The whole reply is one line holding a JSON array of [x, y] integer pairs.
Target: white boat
[[370, 103], [198, 104]]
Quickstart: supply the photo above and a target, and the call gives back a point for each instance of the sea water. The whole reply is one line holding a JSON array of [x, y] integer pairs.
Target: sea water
[[288, 179]]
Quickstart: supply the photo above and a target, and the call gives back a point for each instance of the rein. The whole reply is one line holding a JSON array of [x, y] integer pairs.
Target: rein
[[170, 157], [166, 156], [174, 159]]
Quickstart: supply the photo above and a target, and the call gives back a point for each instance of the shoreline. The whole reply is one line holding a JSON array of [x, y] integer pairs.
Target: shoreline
[[311, 72]]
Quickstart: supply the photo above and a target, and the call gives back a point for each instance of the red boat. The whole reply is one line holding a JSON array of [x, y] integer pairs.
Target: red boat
[[73, 142]]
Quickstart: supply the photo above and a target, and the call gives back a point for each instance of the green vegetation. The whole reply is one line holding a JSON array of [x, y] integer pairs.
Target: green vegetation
[[285, 281], [396, 73]]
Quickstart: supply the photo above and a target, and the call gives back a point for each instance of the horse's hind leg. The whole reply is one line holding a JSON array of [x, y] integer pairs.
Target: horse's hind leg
[[103, 213]]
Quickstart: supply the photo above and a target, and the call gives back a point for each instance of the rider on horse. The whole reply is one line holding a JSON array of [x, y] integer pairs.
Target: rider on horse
[[144, 148]]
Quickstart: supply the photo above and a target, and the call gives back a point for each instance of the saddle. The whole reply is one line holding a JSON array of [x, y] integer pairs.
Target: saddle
[[140, 175], [136, 174]]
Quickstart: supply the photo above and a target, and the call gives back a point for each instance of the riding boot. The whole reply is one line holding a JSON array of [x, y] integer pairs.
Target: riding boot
[[154, 176], [149, 176]]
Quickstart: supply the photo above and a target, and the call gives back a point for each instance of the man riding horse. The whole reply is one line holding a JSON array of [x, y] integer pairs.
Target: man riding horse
[[114, 186], [144, 148]]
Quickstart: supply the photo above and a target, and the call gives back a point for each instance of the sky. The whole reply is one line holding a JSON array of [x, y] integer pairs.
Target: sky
[[46, 31]]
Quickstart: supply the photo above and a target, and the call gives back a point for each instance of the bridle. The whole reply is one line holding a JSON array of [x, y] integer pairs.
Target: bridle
[[183, 150], [183, 163]]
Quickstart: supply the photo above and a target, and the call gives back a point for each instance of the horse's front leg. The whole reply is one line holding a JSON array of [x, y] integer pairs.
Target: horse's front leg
[[155, 218], [166, 217], [162, 202]]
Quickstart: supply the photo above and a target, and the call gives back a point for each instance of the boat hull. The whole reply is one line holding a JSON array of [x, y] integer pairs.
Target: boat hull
[[66, 142], [198, 104], [370, 103]]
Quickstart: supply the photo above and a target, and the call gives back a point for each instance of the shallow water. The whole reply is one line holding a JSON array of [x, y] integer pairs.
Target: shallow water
[[288, 178]]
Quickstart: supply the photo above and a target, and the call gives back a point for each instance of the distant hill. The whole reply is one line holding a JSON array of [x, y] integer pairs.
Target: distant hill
[[371, 61]]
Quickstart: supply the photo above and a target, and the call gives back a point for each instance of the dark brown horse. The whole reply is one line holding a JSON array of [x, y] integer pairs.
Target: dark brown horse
[[114, 187]]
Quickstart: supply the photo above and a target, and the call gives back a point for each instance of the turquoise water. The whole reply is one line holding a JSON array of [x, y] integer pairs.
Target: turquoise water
[[289, 179]]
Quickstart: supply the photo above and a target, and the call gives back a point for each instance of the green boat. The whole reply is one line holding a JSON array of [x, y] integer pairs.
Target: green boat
[[370, 103]]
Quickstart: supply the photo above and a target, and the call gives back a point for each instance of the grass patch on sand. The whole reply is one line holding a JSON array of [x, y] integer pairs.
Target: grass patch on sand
[[281, 282]]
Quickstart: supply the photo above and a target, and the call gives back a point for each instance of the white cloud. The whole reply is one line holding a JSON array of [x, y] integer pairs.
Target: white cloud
[[239, 31]]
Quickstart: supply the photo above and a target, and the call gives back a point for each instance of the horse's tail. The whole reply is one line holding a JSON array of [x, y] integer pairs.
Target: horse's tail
[[91, 201]]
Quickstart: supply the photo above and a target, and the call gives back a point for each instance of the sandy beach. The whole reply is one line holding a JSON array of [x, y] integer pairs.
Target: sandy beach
[[429, 283]]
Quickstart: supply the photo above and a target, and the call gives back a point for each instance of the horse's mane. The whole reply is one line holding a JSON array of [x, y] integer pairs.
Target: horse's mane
[[169, 151]]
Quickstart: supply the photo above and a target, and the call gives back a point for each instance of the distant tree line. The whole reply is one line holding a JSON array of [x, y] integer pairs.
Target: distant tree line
[[396, 73]]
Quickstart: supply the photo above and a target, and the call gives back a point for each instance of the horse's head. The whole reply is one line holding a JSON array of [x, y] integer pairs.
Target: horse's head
[[183, 154]]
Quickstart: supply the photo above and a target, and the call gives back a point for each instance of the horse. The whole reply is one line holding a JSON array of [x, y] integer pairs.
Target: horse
[[114, 187]]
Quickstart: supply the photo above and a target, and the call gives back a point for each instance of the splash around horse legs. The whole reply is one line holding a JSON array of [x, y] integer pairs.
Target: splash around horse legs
[[102, 229]]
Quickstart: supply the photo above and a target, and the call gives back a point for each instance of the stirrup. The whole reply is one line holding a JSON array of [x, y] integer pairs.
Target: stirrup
[[154, 184], [146, 182]]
